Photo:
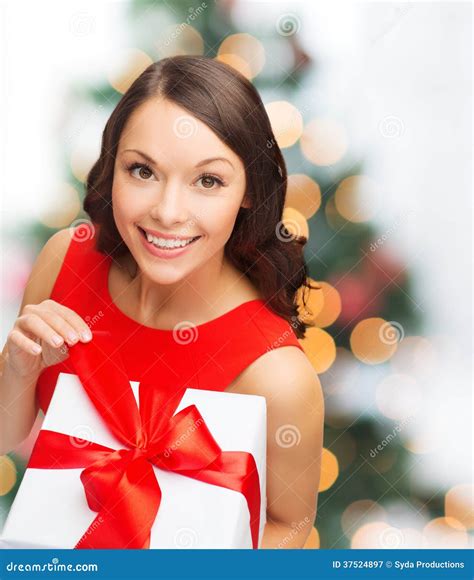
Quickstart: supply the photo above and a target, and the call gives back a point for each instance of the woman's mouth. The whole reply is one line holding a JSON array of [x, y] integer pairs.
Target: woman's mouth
[[164, 247]]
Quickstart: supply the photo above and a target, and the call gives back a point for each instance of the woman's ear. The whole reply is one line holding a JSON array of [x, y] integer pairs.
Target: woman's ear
[[246, 203]]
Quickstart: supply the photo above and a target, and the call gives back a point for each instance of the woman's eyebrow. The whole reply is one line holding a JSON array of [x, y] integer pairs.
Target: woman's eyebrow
[[200, 164], [211, 159], [144, 155]]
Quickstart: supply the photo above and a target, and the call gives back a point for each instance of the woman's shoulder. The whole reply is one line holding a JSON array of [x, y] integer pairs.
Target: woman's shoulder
[[46, 268], [73, 256], [285, 370]]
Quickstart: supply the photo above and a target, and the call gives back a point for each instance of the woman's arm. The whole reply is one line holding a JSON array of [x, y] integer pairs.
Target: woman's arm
[[18, 404], [295, 422]]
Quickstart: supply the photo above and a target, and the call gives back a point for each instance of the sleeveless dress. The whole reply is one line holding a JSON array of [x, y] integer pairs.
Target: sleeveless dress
[[205, 356]]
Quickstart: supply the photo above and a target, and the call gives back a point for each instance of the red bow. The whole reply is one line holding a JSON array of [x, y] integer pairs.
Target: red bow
[[120, 484]]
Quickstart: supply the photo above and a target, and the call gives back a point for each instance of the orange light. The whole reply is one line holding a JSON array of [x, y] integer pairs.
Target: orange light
[[373, 340], [320, 348], [8, 474], [247, 48], [323, 142], [286, 122], [329, 470], [303, 194], [331, 306]]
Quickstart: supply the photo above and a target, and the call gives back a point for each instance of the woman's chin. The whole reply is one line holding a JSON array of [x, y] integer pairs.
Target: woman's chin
[[165, 274]]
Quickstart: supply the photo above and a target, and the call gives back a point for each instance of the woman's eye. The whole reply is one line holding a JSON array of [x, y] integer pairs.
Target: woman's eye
[[208, 181], [141, 171]]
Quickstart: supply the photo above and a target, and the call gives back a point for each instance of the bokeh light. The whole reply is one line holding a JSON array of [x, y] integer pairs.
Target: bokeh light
[[295, 223], [7, 474], [237, 62], [247, 48], [313, 541], [127, 67], [303, 194], [286, 122], [329, 469], [338, 223], [323, 142], [356, 198], [65, 208], [320, 348], [445, 533], [381, 535], [459, 504], [372, 340], [331, 309], [359, 513]]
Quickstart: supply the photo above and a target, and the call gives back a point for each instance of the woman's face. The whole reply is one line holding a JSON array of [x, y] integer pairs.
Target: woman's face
[[175, 178]]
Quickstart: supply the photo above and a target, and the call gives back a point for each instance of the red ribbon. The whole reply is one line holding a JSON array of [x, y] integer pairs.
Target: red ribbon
[[120, 484]]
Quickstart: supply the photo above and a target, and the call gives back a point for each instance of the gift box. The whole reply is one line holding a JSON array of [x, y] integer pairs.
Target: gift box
[[119, 464]]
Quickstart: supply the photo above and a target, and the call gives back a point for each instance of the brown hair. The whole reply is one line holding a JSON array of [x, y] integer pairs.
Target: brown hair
[[213, 92]]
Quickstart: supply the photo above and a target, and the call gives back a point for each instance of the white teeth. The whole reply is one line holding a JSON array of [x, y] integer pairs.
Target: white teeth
[[166, 243]]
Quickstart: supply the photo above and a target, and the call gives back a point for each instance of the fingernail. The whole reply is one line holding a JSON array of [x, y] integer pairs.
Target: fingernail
[[36, 348], [57, 339], [73, 337], [86, 335]]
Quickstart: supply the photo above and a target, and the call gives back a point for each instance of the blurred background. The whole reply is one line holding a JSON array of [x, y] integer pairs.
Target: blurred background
[[371, 105]]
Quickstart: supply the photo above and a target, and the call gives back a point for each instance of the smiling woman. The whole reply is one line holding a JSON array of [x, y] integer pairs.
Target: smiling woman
[[191, 270], [185, 154]]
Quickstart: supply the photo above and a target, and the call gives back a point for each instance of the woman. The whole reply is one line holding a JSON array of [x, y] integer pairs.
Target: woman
[[187, 261]]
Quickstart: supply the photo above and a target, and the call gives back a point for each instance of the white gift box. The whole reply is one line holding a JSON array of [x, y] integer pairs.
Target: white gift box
[[50, 509]]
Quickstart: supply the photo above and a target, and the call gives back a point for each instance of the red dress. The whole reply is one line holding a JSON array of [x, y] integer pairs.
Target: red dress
[[207, 356]]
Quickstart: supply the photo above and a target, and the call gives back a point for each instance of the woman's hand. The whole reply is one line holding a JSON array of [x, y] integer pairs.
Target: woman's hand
[[40, 336]]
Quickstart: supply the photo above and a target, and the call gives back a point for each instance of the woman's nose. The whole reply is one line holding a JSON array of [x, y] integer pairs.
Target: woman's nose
[[170, 206]]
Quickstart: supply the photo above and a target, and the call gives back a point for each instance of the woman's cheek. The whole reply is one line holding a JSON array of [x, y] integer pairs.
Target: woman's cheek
[[128, 199], [218, 222]]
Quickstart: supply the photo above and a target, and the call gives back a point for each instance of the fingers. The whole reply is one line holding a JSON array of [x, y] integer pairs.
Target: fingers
[[23, 342], [50, 323], [74, 320], [36, 325], [54, 323], [61, 327]]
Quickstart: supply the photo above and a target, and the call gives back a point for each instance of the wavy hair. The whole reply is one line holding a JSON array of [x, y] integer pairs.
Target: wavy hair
[[260, 246]]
